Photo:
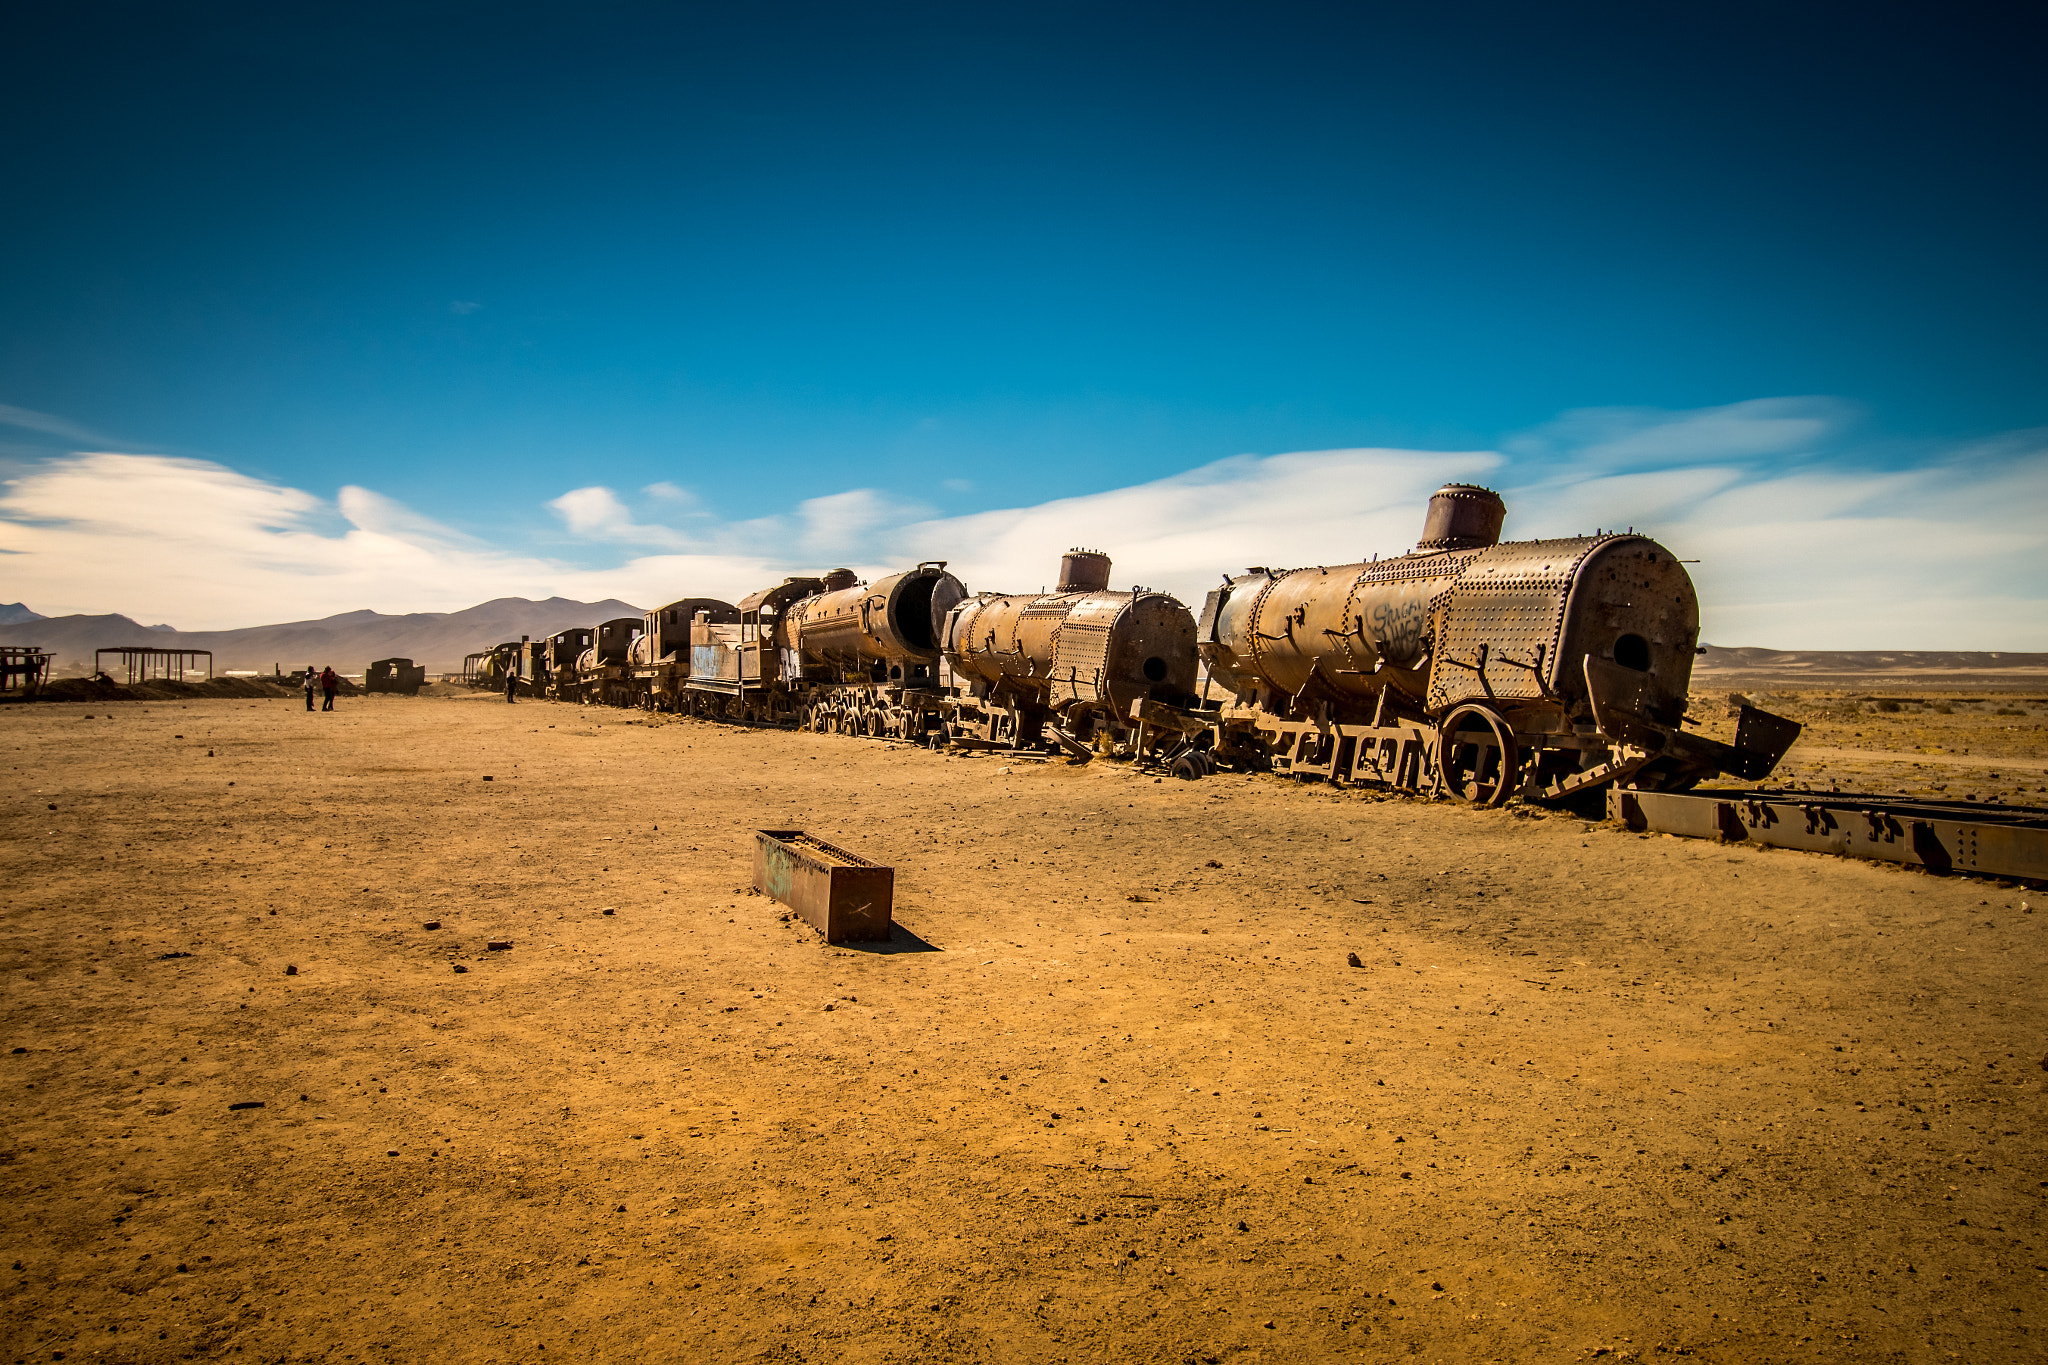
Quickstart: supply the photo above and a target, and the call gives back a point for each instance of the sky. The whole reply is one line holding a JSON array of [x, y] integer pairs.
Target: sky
[[306, 310]]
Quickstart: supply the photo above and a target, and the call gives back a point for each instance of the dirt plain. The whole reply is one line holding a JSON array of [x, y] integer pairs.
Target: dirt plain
[[1113, 1092]]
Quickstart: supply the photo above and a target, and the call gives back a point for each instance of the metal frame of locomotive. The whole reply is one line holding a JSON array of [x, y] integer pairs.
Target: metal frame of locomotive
[[827, 654], [1546, 669]]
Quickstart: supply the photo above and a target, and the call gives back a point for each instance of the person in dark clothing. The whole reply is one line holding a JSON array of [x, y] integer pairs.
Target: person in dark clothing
[[312, 681], [330, 683], [511, 684]]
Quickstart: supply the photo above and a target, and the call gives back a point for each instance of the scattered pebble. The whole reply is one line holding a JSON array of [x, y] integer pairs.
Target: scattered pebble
[[498, 945], [431, 924], [1353, 959], [460, 968], [290, 970], [246, 1104]]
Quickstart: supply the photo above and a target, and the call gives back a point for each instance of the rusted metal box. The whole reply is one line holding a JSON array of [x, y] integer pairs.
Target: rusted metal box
[[842, 895]]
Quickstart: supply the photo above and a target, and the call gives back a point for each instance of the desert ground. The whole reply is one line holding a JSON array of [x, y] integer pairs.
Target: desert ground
[[1114, 1091]]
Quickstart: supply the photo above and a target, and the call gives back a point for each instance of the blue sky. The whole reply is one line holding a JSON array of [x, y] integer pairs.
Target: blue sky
[[943, 262]]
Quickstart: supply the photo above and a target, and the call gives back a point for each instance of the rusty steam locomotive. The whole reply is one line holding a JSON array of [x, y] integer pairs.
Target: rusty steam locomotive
[[1545, 669]]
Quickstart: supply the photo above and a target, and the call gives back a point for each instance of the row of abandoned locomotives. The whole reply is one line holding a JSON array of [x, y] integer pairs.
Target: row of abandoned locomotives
[[1550, 670]]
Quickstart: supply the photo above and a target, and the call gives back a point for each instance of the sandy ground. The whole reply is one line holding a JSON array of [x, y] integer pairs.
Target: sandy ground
[[1112, 1093], [1950, 745]]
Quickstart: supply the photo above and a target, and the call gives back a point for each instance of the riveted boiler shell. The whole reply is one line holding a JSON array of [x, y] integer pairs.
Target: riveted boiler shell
[[1007, 638], [1118, 648], [1341, 633], [1620, 598], [898, 617]]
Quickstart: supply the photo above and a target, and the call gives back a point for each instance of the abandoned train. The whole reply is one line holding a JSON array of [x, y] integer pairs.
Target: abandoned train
[[1545, 669]]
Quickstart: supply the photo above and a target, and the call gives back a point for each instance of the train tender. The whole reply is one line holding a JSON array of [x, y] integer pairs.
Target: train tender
[[1548, 669], [1070, 664]]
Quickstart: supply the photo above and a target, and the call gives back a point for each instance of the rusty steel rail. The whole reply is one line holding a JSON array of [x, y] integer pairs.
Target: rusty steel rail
[[1941, 836]]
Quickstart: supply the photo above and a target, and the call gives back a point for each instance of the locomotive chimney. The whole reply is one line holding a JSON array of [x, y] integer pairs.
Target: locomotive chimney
[[840, 578], [1462, 516], [1083, 571]]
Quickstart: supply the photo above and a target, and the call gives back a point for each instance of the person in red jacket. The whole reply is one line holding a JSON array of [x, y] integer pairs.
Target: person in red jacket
[[330, 683]]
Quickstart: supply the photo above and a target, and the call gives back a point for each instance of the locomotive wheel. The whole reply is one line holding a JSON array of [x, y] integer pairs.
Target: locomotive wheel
[[1477, 759], [1188, 767]]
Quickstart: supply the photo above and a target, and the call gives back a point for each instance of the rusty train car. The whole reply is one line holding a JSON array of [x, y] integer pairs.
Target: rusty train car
[[1070, 665], [1544, 669], [1547, 669], [830, 654]]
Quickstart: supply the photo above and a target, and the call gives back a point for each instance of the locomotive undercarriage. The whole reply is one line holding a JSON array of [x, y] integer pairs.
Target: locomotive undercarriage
[[878, 710], [1540, 753]]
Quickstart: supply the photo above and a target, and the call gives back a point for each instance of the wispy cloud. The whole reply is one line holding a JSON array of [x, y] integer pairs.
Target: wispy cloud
[[28, 419], [597, 514], [1647, 438], [1800, 544]]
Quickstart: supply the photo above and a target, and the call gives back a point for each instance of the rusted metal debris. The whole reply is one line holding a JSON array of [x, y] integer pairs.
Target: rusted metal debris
[[842, 895], [23, 671], [401, 676], [1940, 836]]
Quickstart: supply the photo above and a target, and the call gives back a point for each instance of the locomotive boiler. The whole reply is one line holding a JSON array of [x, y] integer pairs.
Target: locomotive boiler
[[1075, 660], [864, 657], [1548, 668]]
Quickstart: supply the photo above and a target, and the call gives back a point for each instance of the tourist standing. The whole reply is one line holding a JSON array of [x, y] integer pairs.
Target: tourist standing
[[512, 684], [312, 681], [330, 683]]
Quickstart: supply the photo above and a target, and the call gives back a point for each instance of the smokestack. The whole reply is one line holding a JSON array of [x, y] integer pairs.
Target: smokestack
[[1462, 516], [1083, 571]]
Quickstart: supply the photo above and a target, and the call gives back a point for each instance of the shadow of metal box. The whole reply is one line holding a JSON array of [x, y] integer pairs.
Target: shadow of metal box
[[840, 894]]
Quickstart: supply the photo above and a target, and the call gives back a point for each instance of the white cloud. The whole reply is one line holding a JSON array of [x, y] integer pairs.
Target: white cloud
[[1640, 437], [1795, 553], [676, 494], [597, 514], [161, 538], [1182, 533]]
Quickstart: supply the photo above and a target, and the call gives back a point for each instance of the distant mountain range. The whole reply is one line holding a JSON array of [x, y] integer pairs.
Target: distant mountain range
[[436, 639]]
